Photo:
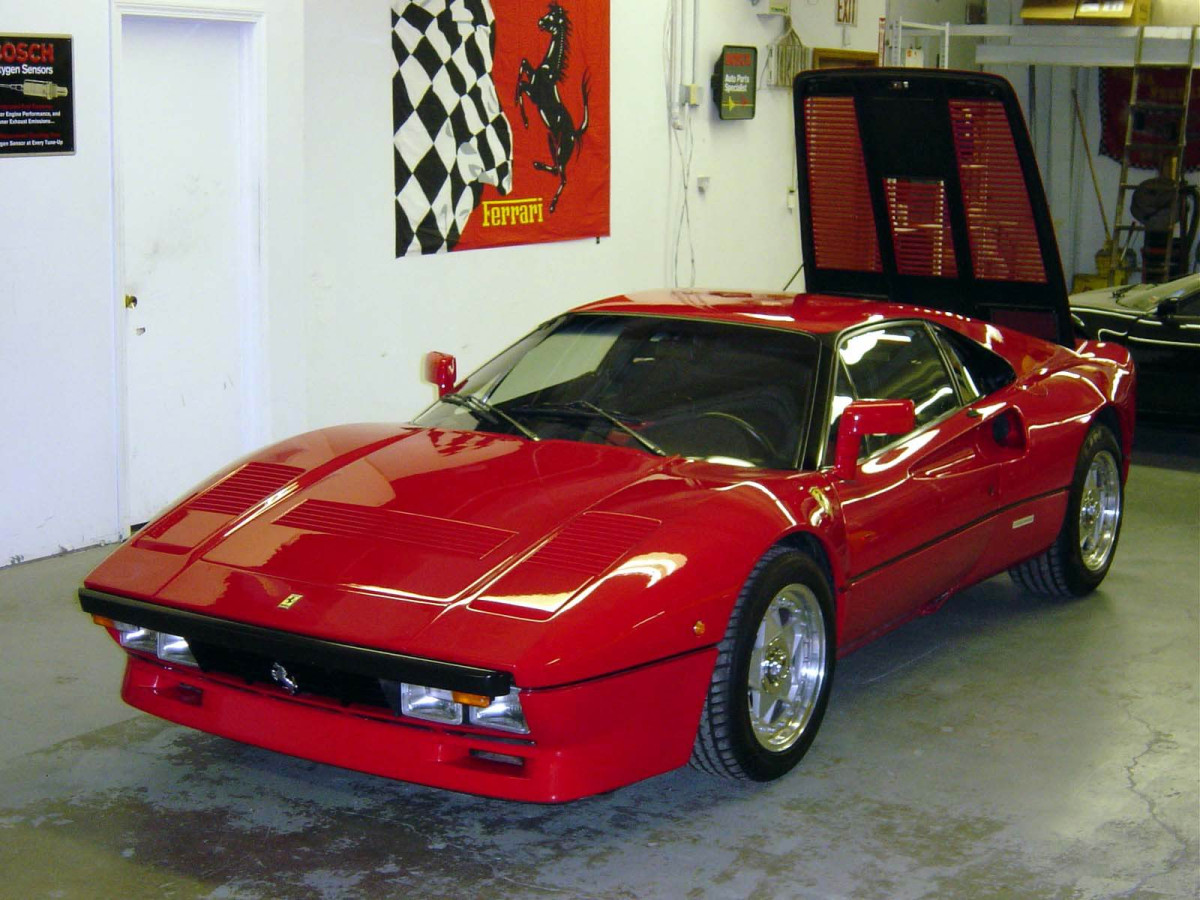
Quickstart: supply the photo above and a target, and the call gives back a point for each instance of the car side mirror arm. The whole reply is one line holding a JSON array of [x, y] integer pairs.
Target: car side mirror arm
[[441, 369], [865, 417], [1168, 309]]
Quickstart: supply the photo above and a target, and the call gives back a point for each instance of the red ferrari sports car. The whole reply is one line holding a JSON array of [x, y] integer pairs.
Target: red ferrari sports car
[[643, 534]]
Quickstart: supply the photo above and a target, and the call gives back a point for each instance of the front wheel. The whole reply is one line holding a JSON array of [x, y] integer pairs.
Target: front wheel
[[1079, 558], [773, 673]]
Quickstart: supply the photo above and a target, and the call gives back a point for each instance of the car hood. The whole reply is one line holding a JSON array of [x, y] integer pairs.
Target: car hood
[[1103, 299], [1135, 300], [942, 163], [461, 546], [427, 514]]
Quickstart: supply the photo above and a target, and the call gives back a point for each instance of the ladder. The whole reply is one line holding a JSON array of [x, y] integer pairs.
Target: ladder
[[1137, 105]]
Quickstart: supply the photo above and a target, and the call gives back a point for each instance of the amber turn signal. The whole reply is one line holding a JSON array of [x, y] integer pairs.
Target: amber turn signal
[[103, 621], [471, 699]]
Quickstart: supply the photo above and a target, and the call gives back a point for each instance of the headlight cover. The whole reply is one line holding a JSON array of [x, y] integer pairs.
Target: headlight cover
[[445, 706], [170, 648], [504, 713], [430, 704]]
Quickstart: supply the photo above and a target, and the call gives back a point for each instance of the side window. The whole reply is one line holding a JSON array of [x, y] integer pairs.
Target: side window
[[843, 396], [893, 363], [982, 372], [1189, 307], [960, 369]]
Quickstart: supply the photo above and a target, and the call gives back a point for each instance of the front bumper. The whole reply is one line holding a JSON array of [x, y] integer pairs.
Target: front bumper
[[351, 659], [584, 739]]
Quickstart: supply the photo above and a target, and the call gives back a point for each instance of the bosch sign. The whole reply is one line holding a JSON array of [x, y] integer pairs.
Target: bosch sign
[[37, 104], [14, 52]]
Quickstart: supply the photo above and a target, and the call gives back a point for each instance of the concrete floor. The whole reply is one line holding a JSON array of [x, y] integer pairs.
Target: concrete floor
[[1006, 747]]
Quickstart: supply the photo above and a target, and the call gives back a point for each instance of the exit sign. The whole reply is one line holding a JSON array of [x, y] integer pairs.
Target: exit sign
[[847, 12]]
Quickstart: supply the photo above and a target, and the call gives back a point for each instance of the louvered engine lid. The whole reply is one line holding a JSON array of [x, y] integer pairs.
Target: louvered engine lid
[[921, 186]]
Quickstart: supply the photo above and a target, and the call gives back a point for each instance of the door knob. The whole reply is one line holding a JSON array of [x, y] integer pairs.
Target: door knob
[[130, 301]]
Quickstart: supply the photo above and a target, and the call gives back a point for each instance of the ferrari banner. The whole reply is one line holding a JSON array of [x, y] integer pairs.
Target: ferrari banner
[[501, 124]]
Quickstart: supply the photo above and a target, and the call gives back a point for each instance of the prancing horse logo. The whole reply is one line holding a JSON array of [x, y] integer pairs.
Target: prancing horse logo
[[290, 600], [281, 677]]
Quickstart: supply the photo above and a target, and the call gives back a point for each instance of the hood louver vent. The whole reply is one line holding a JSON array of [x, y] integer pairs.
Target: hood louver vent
[[838, 192], [594, 542], [251, 484], [1003, 234], [349, 520]]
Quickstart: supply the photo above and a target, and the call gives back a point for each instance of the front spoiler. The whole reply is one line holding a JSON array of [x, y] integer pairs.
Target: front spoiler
[[585, 739]]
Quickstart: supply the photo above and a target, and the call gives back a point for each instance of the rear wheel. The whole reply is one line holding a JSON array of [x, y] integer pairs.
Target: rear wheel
[[773, 673], [1080, 557]]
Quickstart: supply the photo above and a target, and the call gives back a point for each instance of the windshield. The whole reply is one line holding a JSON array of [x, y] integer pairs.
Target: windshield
[[728, 393]]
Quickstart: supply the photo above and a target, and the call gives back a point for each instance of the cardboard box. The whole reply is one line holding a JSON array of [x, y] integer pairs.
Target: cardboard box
[[1086, 12], [1112, 12]]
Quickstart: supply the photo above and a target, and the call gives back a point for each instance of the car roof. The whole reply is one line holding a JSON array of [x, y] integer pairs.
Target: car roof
[[817, 314], [823, 316]]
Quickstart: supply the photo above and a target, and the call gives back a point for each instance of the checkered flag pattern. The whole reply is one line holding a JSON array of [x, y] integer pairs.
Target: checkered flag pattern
[[451, 134]]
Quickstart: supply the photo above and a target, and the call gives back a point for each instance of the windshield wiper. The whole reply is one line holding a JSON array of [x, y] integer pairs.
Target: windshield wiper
[[636, 435], [483, 408], [586, 407]]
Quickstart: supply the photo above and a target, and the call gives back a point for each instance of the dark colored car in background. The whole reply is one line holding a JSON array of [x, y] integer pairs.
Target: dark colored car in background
[[1160, 324]]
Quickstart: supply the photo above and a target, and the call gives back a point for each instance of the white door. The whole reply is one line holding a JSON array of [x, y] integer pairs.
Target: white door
[[189, 175]]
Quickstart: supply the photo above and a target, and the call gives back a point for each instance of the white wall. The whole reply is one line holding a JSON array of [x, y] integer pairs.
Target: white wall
[[60, 457], [937, 12], [346, 323], [375, 316], [58, 454]]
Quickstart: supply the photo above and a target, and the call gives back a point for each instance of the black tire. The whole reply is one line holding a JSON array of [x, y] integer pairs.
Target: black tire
[[1080, 557], [795, 589]]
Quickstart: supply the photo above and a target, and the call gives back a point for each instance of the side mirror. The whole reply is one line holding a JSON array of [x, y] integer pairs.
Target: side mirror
[[865, 417], [1168, 309], [441, 369]]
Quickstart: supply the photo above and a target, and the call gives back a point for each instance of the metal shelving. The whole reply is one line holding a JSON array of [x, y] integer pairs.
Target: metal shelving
[[1055, 45]]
